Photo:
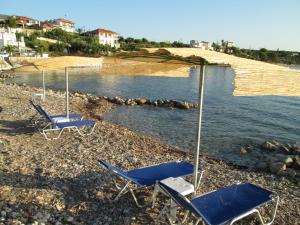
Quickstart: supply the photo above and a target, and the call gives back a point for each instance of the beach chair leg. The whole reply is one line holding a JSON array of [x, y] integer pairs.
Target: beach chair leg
[[135, 198], [198, 221], [44, 132], [274, 213], [162, 212], [185, 217], [122, 192], [154, 195], [86, 134]]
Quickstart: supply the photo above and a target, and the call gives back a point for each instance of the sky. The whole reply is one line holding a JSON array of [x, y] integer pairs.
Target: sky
[[251, 24]]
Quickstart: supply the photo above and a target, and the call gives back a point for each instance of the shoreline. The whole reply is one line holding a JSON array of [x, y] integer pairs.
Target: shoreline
[[61, 181], [282, 155]]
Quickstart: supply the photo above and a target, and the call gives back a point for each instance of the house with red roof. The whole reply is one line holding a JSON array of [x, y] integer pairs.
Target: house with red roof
[[106, 37], [25, 22]]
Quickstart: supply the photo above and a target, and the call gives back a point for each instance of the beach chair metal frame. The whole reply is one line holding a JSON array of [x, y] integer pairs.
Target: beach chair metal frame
[[166, 208], [44, 131], [132, 185]]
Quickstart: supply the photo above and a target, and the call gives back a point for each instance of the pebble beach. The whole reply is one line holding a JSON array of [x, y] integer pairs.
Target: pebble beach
[[61, 181]]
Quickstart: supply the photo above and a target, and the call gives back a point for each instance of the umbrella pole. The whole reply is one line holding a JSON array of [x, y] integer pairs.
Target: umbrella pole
[[44, 87], [200, 103], [67, 91]]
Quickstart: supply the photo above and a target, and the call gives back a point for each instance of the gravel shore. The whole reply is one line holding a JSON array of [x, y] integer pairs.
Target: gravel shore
[[61, 182]]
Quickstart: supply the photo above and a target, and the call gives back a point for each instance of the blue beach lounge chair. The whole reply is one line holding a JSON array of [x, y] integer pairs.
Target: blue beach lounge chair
[[41, 113], [225, 205], [148, 176], [60, 125]]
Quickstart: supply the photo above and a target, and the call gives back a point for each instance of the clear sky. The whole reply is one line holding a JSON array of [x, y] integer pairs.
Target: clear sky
[[250, 23]]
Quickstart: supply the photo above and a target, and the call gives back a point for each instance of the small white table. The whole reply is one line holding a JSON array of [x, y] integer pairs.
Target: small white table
[[178, 184]]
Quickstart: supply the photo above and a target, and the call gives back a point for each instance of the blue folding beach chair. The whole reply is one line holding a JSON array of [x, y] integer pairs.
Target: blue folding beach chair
[[225, 205], [148, 176], [41, 114]]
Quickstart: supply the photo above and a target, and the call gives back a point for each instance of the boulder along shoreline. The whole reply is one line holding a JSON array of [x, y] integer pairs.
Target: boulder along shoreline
[[61, 182]]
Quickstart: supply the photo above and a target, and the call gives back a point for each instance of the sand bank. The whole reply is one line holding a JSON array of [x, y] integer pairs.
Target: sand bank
[[252, 77], [106, 65]]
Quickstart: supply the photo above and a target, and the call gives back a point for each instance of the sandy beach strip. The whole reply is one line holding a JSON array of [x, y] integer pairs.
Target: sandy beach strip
[[59, 182], [253, 78], [106, 66]]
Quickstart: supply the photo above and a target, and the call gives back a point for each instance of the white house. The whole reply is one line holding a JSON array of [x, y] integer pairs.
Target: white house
[[106, 37], [8, 37], [204, 45], [64, 24]]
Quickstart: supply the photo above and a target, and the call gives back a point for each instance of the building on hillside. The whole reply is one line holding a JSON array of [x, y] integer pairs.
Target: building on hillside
[[204, 45], [26, 22], [64, 24], [8, 37], [226, 45], [106, 37], [47, 26]]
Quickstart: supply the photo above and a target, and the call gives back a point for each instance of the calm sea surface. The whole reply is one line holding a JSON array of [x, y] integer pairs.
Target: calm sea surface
[[228, 122]]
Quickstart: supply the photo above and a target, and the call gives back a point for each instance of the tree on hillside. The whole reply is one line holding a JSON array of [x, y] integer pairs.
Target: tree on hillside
[[129, 40], [9, 49], [11, 22], [216, 47], [121, 39]]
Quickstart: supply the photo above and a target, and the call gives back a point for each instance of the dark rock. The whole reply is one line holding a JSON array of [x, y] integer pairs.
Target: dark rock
[[141, 101], [182, 105], [296, 163], [295, 150], [160, 102], [284, 149], [277, 167], [118, 100], [269, 146], [155, 103], [288, 161], [243, 151]]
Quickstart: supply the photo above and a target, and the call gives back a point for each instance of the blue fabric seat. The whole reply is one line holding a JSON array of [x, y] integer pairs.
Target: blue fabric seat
[[225, 205], [148, 176], [76, 123]]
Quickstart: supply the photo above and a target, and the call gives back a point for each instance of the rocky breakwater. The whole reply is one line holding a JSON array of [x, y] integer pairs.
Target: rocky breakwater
[[277, 158], [157, 103]]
